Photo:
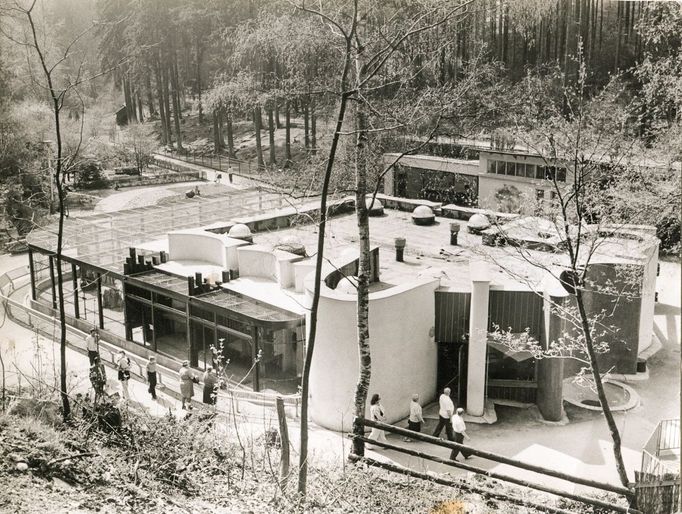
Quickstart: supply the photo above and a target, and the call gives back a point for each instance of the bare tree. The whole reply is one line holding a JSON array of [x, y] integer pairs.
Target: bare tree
[[58, 78], [369, 39], [591, 163]]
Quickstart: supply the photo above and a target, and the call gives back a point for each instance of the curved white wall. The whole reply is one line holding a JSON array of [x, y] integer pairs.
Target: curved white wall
[[257, 261], [196, 246], [404, 355]]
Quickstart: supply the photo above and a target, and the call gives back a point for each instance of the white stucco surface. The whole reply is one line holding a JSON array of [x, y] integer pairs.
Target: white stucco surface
[[404, 356], [269, 292], [196, 245]]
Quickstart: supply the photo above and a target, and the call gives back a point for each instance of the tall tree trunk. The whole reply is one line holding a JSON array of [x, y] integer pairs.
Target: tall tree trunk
[[162, 110], [200, 54], [313, 127], [306, 125], [278, 121], [150, 94], [601, 22], [221, 130], [287, 136], [319, 261], [216, 132], [364, 271], [177, 113], [230, 135], [596, 374], [271, 137], [616, 64], [128, 98], [56, 109], [257, 128], [140, 115], [167, 102]]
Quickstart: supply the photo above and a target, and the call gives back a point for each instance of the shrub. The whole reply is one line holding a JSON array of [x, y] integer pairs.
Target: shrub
[[88, 175]]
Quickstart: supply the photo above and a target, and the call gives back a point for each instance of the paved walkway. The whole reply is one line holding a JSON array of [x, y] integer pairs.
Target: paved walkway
[[142, 196]]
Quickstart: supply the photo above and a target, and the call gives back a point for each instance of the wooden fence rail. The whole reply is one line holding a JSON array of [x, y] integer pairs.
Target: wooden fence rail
[[487, 493], [491, 474], [361, 439], [497, 458]]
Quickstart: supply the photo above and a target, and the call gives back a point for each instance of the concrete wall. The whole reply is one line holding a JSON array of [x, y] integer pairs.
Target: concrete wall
[[404, 355], [550, 372], [196, 246], [490, 183], [166, 178], [622, 311], [648, 299], [257, 261]]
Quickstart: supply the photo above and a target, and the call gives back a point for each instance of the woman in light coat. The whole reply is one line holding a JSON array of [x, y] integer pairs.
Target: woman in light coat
[[377, 413], [187, 380]]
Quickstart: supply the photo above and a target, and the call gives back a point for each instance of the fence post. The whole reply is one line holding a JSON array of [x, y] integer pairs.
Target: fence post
[[284, 440]]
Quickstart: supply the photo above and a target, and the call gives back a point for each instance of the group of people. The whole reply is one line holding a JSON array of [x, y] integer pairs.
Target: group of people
[[98, 376], [188, 379], [448, 417]]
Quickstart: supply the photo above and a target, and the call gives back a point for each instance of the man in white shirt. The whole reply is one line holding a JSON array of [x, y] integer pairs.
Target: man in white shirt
[[92, 343], [460, 429], [445, 412], [416, 419]]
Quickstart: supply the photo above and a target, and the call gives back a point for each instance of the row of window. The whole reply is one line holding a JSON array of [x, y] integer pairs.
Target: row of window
[[521, 169]]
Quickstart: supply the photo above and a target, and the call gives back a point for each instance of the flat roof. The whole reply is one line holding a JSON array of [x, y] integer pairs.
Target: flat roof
[[249, 307], [428, 252], [102, 240]]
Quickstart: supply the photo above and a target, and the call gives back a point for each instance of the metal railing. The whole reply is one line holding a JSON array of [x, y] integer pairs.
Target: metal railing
[[218, 162], [664, 439], [47, 326]]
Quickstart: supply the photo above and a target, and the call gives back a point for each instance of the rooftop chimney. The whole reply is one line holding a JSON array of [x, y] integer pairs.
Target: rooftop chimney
[[399, 248], [454, 232]]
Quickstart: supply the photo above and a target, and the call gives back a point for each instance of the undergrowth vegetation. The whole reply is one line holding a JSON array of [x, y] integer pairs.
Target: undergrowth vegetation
[[198, 464]]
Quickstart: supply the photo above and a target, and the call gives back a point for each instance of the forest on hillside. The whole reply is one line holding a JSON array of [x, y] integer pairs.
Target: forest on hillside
[[207, 75]]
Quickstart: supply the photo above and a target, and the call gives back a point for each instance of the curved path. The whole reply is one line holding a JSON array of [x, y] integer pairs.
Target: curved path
[[141, 196]]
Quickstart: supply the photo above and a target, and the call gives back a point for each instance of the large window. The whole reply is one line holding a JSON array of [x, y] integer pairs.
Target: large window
[[505, 365], [522, 169]]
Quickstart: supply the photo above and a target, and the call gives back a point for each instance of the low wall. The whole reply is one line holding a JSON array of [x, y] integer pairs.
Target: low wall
[[166, 178], [197, 246]]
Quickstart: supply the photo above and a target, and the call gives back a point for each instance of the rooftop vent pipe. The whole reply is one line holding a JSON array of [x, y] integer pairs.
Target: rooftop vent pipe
[[399, 248], [454, 232]]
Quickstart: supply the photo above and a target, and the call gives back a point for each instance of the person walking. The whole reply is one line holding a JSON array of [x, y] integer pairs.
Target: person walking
[[376, 411], [414, 422], [152, 376], [210, 380], [445, 412], [123, 364], [460, 429], [98, 377], [187, 381], [92, 343]]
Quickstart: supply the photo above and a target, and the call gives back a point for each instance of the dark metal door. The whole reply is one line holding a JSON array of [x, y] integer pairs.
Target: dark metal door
[[452, 369]]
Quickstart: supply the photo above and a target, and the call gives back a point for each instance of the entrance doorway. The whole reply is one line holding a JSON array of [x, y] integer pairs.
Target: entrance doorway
[[452, 371]]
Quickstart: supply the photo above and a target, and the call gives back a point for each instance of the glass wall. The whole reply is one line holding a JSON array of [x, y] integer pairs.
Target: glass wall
[[521, 169], [504, 367], [437, 186], [281, 352]]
